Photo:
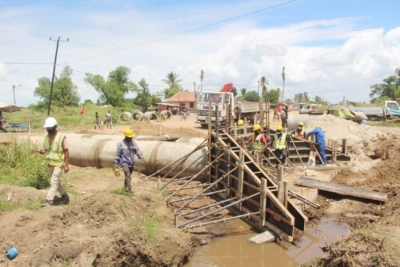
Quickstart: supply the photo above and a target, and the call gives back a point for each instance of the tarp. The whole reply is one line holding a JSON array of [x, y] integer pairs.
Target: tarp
[[343, 113], [5, 107]]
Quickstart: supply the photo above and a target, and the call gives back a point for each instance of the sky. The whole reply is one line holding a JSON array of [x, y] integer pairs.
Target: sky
[[334, 49]]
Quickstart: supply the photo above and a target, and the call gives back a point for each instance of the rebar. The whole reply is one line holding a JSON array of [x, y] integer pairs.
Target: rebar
[[222, 220], [206, 207], [193, 197]]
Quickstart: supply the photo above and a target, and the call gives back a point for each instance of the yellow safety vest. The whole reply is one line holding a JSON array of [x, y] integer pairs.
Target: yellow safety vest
[[257, 144], [279, 143], [55, 152]]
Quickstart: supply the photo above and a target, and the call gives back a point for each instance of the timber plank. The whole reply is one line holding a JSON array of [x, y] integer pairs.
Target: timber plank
[[340, 189]]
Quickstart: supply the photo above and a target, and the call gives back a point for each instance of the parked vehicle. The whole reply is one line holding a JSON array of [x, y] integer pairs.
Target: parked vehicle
[[311, 109], [223, 104], [388, 110]]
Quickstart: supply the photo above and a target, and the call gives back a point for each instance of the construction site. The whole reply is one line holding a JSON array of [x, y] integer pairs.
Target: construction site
[[201, 185]]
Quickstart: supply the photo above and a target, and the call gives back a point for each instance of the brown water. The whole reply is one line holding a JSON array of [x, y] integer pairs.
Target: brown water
[[235, 250]]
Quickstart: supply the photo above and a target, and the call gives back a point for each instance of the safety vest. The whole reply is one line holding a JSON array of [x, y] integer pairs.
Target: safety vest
[[55, 152], [279, 143], [257, 144], [299, 134]]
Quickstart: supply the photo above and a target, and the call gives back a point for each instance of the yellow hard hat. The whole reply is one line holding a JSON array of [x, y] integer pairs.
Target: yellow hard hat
[[129, 133], [240, 122], [301, 123], [279, 128], [256, 127]]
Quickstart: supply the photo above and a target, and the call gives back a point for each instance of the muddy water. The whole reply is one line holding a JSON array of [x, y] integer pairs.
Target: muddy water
[[234, 250]]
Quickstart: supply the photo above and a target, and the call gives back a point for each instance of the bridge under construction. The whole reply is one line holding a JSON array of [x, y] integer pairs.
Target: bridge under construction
[[252, 187]]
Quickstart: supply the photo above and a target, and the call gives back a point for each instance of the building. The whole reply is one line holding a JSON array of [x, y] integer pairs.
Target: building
[[183, 99]]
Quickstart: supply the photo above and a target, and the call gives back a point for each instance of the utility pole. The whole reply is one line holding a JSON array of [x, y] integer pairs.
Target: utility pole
[[258, 87], [54, 73], [13, 87]]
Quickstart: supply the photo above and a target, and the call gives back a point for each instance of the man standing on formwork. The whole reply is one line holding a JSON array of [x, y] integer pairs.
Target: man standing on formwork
[[320, 142]]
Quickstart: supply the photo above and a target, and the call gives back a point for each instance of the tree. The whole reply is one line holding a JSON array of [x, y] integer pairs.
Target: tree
[[243, 91], [251, 96], [172, 81], [143, 99], [390, 88], [273, 95], [263, 83], [113, 89], [65, 92]]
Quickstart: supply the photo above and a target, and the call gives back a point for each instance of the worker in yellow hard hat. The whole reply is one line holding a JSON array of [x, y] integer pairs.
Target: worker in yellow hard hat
[[259, 141], [279, 144], [125, 156], [240, 122], [299, 132]]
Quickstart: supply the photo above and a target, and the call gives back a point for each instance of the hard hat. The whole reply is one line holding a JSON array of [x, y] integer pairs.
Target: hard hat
[[129, 133], [50, 122], [301, 123], [240, 122], [279, 128], [256, 127]]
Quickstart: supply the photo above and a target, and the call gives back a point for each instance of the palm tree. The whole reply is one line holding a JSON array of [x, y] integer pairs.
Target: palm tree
[[263, 83], [172, 80]]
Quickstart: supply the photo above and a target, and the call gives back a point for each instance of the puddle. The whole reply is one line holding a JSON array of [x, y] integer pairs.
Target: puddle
[[236, 250]]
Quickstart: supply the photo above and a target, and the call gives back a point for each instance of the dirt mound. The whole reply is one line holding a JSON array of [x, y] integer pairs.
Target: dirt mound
[[98, 228], [374, 225]]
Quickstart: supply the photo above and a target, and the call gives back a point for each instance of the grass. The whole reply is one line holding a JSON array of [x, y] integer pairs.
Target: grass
[[152, 227], [384, 123], [121, 191], [29, 205]]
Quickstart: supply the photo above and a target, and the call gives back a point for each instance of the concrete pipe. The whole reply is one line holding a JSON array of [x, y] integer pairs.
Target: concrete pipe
[[99, 152], [125, 116], [294, 119], [151, 115], [166, 114], [137, 116], [191, 140]]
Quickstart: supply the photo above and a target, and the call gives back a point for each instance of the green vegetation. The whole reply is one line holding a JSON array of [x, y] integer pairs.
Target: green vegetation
[[29, 205], [388, 90], [152, 226], [121, 191], [21, 165], [173, 81]]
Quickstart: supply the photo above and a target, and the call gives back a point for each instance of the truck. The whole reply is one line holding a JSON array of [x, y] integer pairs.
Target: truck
[[311, 109], [388, 110], [225, 104]]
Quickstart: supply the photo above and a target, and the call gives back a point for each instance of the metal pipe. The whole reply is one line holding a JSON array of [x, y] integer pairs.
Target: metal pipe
[[206, 207], [193, 197], [222, 220]]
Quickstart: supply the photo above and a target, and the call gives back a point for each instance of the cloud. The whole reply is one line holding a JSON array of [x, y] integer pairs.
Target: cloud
[[330, 58]]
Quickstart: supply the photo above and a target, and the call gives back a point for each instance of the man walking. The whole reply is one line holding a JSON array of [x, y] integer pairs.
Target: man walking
[[125, 156], [109, 120], [55, 148], [320, 141]]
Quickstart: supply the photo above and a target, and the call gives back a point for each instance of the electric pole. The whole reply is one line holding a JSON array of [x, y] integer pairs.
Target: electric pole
[[283, 82], [54, 73]]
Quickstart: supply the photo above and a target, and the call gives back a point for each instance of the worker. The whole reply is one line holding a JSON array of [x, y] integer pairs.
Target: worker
[[55, 148], [276, 114], [2, 122], [299, 132], [320, 143], [240, 122], [97, 120], [125, 156], [258, 140], [283, 116], [279, 144], [109, 120]]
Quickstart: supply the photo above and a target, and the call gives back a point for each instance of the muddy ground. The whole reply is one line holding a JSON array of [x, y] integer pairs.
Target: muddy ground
[[101, 228]]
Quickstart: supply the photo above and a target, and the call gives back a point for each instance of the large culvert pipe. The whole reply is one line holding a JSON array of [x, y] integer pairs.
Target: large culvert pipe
[[137, 116], [99, 152], [125, 116], [166, 114], [150, 115]]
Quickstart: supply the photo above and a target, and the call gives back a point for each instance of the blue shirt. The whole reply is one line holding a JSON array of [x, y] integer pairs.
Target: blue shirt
[[319, 136], [125, 153]]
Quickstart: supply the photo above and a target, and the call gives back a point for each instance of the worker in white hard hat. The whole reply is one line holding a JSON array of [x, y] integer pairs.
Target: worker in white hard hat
[[125, 156], [55, 148]]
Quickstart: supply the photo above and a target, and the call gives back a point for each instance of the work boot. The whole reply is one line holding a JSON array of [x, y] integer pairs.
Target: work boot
[[65, 198], [47, 203]]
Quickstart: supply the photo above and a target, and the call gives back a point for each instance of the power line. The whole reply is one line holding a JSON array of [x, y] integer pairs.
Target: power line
[[20, 63], [191, 30]]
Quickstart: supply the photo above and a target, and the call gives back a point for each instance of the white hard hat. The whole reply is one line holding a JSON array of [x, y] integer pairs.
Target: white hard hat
[[50, 122]]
